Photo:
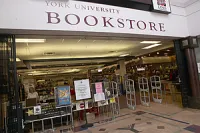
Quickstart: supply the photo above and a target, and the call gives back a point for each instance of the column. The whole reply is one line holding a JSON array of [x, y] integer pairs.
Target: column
[[189, 75], [122, 70], [193, 72], [183, 72]]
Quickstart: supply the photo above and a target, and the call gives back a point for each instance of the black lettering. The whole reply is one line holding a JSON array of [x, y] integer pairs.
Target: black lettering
[[105, 22], [77, 17], [55, 17], [121, 22]]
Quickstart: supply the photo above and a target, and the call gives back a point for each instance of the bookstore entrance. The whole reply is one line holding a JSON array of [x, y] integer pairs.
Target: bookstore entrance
[[68, 79]]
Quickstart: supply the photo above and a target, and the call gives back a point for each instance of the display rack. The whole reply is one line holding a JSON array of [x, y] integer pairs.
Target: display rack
[[68, 113], [144, 91], [156, 89], [130, 93], [109, 109]]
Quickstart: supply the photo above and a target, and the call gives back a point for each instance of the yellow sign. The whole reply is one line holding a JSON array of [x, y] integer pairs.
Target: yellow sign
[[112, 100]]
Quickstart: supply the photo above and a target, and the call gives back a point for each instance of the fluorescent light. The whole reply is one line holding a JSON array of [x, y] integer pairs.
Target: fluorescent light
[[99, 70], [21, 40], [151, 46], [123, 55], [150, 42], [17, 59], [141, 69]]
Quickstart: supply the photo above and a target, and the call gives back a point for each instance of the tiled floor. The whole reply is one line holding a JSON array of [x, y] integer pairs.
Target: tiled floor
[[157, 118]]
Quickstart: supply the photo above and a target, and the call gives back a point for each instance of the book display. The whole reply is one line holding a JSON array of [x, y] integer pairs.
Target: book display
[[59, 104]]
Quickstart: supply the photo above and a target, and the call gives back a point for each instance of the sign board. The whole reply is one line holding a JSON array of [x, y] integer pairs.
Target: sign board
[[99, 97], [162, 6], [62, 95], [63, 17], [37, 110], [82, 105], [102, 103], [82, 89]]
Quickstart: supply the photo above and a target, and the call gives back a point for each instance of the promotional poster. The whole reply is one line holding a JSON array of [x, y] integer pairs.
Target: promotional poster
[[63, 96]]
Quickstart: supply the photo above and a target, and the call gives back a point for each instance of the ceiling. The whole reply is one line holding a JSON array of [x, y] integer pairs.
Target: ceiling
[[77, 54], [182, 3]]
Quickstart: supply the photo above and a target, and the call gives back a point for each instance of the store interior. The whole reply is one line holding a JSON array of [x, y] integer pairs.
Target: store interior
[[46, 62]]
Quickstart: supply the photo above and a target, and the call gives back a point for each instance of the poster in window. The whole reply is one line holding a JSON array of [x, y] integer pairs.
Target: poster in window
[[62, 94]]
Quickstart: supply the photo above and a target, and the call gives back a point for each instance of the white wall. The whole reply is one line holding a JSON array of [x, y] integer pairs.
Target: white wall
[[193, 18]]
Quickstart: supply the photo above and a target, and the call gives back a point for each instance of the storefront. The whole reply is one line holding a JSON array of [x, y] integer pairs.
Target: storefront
[[55, 44]]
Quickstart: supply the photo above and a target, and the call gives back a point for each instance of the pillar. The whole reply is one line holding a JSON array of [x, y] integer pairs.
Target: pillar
[[122, 70], [183, 72], [193, 72], [189, 75]]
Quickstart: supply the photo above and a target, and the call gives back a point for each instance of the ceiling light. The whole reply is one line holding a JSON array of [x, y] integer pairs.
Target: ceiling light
[[18, 59], [99, 70], [123, 55], [157, 52], [168, 50], [49, 53], [21, 40], [151, 46], [150, 42], [141, 69]]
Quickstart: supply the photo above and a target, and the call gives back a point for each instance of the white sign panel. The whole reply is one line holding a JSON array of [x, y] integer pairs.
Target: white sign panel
[[198, 65], [99, 97], [162, 5], [82, 89], [82, 105], [37, 110], [45, 16]]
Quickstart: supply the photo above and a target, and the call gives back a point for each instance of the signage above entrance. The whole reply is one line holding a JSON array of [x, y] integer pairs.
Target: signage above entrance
[[161, 6], [82, 17]]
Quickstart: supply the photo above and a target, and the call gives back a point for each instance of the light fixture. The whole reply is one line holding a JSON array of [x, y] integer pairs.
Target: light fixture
[[21, 40], [150, 42], [99, 70], [158, 53], [151, 46], [166, 54], [141, 69], [123, 55], [18, 59], [168, 50]]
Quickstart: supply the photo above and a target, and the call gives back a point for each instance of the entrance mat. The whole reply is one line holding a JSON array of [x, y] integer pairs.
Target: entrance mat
[[193, 128]]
